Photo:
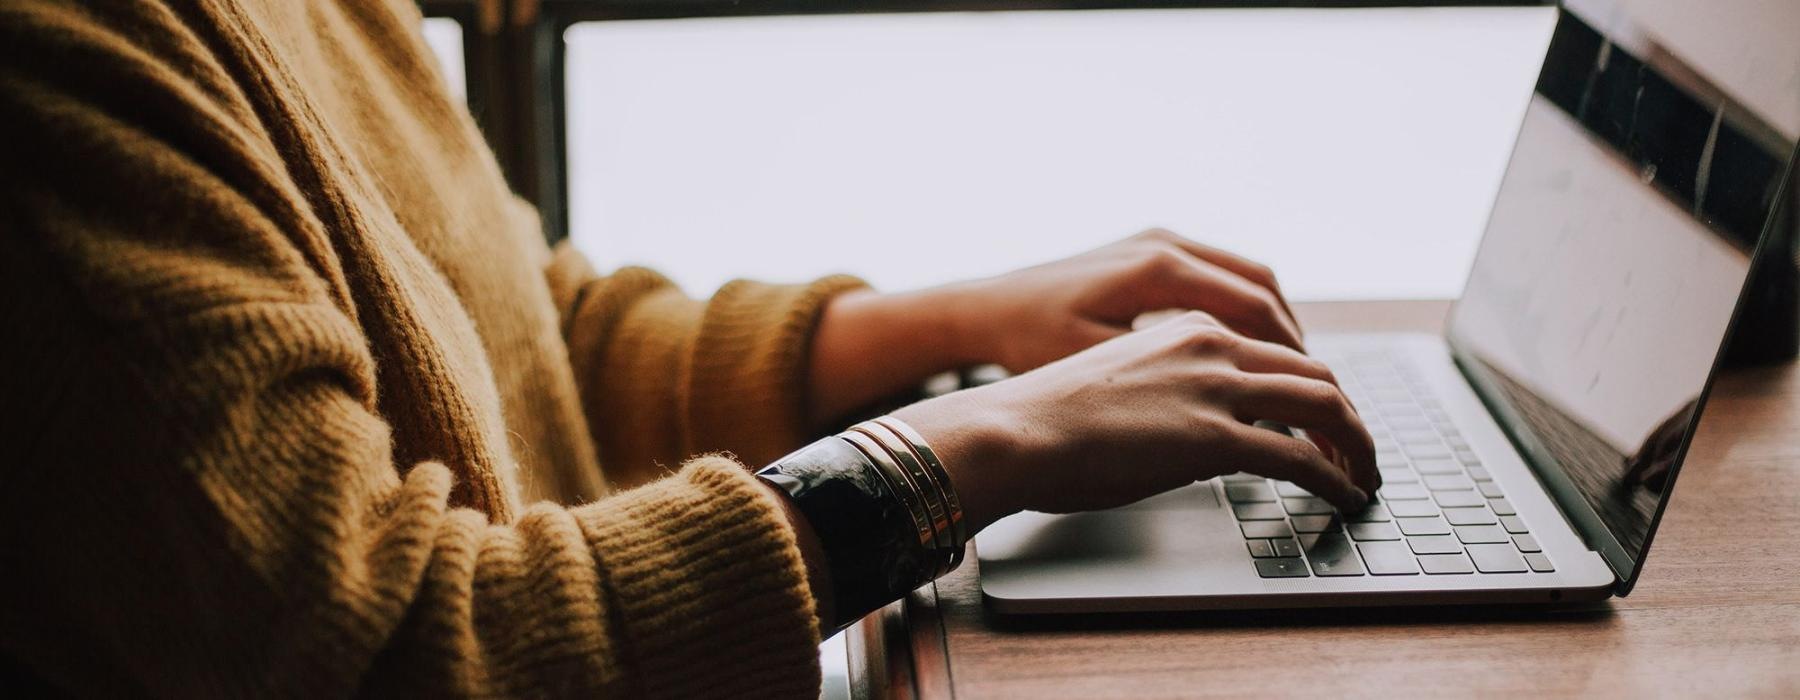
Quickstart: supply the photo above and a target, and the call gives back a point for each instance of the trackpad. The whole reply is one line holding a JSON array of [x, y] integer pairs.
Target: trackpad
[[1172, 523]]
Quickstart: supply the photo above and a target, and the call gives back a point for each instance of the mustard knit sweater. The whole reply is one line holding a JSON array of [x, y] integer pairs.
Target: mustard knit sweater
[[298, 402]]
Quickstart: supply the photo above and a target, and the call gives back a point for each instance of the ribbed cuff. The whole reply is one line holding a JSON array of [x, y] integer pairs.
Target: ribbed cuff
[[750, 376], [708, 584]]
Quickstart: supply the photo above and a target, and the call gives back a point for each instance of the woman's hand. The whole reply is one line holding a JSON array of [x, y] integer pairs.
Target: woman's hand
[[872, 345], [1144, 413], [1025, 319]]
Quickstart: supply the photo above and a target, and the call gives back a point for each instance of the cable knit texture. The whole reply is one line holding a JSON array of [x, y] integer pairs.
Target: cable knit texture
[[286, 362]]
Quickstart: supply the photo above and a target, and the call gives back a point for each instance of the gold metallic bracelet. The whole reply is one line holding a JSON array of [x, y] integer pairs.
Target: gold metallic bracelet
[[944, 545], [903, 489], [959, 526]]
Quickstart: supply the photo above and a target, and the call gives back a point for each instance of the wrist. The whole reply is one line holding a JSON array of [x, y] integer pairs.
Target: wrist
[[979, 447], [941, 322], [870, 346], [957, 318], [812, 555]]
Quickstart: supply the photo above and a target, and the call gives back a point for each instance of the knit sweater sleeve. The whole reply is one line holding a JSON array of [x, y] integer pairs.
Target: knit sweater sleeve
[[203, 497], [727, 373]]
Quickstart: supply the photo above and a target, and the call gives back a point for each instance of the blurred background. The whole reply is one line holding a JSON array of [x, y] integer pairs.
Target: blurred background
[[1354, 149]]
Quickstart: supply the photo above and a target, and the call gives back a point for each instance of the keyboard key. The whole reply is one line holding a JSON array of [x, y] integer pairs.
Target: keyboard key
[[1392, 396], [1526, 543], [1366, 532], [1332, 555], [1249, 492], [1289, 490], [1469, 516], [1480, 474], [1416, 437], [1375, 513], [1313, 523], [1403, 492], [1513, 524], [1489, 489], [1398, 475], [1437, 466], [1483, 534], [1285, 547], [1424, 452], [1446, 564], [1468, 458], [1424, 526], [1407, 422], [1434, 544], [1390, 410], [1496, 559], [1260, 548], [1448, 482], [1502, 506], [1241, 477], [1258, 511], [1539, 563], [1289, 567], [1388, 558], [1390, 460], [1459, 499], [1412, 509], [1266, 529], [1307, 506]]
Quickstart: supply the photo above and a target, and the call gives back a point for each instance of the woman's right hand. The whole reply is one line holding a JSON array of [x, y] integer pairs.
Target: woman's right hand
[[1144, 413]]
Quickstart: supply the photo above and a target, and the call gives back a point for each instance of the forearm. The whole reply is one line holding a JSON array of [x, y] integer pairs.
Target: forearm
[[869, 346]]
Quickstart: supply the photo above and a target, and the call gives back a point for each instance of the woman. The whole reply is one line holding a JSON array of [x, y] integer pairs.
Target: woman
[[303, 405]]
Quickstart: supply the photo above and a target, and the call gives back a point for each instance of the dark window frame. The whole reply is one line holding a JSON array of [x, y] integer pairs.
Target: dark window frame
[[482, 57]]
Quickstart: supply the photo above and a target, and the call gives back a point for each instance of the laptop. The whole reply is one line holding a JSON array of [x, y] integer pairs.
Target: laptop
[[1529, 451]]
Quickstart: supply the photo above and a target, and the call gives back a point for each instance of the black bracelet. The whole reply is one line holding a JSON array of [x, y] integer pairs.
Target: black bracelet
[[871, 544]]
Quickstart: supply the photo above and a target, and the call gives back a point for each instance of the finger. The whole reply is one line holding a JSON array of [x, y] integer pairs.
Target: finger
[[1094, 332], [1269, 358], [1277, 456], [1250, 270], [1158, 317], [1248, 309], [1317, 408]]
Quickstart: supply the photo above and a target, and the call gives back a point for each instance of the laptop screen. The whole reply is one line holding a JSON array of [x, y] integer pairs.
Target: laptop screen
[[1650, 162]]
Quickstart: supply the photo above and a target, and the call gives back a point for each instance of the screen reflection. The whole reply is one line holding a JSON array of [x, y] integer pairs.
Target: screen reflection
[[1651, 157]]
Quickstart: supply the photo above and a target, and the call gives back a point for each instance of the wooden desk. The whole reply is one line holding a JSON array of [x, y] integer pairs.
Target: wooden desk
[[1716, 613]]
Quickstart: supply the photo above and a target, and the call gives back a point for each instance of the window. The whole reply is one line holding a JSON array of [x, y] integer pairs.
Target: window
[[1356, 151], [445, 36]]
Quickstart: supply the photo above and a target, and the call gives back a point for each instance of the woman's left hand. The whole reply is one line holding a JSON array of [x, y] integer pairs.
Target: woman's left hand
[[1025, 319], [870, 345]]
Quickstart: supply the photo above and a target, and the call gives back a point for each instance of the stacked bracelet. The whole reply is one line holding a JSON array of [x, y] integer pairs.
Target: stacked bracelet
[[883, 508]]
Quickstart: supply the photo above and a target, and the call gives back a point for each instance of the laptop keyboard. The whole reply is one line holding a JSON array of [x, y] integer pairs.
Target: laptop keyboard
[[1438, 512]]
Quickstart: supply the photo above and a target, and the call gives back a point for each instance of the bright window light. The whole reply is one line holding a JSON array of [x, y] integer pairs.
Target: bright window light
[[1356, 151]]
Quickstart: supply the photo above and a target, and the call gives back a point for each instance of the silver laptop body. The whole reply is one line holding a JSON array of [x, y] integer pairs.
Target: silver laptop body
[[1528, 452]]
